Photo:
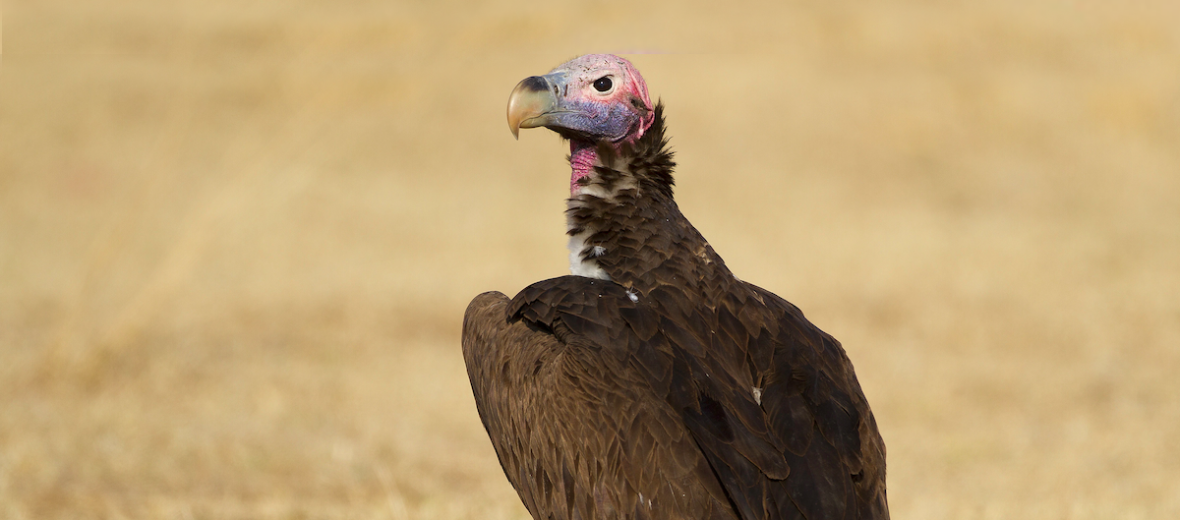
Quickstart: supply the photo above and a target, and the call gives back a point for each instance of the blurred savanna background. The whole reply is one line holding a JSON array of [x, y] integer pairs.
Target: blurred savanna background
[[237, 239]]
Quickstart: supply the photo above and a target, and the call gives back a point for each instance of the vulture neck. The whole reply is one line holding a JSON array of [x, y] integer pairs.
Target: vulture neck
[[624, 225]]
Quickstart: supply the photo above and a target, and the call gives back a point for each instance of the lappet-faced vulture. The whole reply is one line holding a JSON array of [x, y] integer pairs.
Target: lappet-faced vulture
[[652, 383]]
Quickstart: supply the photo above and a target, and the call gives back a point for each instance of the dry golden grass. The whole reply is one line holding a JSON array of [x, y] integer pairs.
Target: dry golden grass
[[237, 238]]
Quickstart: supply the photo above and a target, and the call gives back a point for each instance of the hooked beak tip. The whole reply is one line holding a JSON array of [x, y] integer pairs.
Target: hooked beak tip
[[532, 98]]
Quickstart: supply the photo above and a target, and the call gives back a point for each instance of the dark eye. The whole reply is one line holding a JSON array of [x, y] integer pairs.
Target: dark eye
[[602, 84]]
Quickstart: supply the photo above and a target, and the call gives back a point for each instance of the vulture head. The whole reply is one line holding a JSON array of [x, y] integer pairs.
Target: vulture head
[[594, 101]]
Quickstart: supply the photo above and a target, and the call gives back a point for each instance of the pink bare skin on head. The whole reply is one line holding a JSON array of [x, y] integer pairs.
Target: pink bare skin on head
[[624, 105], [628, 89], [591, 99]]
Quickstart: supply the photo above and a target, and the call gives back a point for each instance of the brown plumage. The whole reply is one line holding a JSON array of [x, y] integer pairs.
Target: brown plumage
[[671, 390]]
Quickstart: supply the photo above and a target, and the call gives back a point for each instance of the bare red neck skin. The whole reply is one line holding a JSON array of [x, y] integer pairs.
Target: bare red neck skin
[[583, 155]]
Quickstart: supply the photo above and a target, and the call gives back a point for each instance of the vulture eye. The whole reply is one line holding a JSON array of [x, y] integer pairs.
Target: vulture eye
[[603, 84]]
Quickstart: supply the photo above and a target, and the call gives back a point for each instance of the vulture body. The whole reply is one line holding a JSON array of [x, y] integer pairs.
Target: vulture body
[[653, 383]]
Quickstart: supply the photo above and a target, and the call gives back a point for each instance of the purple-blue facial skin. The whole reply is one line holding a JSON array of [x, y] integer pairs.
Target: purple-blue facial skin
[[587, 119], [609, 121]]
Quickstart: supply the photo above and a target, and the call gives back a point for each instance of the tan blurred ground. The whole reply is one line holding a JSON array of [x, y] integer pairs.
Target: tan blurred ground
[[237, 238]]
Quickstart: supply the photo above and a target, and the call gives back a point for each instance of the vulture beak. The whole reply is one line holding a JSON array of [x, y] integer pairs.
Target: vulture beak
[[534, 102]]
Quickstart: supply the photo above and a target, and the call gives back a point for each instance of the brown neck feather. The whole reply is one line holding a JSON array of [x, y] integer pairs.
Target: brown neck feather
[[631, 225]]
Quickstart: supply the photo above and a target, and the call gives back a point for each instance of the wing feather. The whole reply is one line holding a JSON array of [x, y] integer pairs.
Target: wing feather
[[650, 410], [571, 379]]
